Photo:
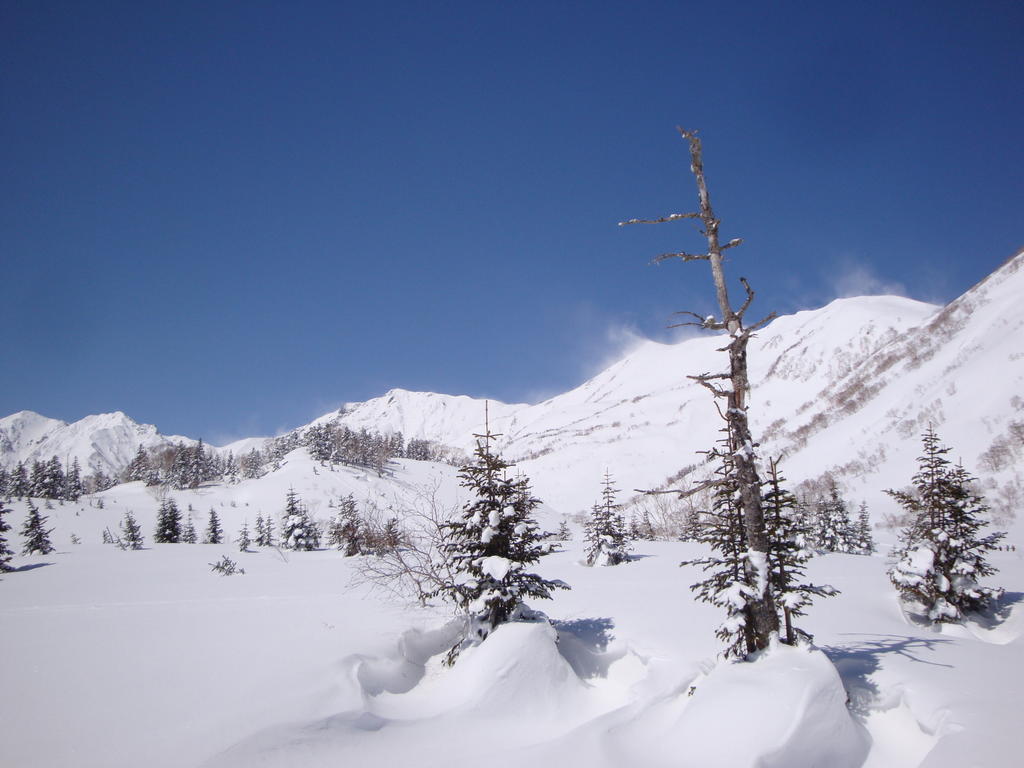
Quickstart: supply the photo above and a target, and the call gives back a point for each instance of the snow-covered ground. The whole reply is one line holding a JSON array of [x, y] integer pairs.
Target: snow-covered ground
[[113, 658]]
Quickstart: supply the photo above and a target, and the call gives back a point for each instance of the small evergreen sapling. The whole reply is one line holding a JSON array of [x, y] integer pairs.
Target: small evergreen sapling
[[36, 534], [941, 554], [297, 529], [214, 532], [789, 551], [605, 531], [346, 532], [864, 540], [189, 534], [131, 532], [243, 540], [489, 547], [264, 531], [226, 567]]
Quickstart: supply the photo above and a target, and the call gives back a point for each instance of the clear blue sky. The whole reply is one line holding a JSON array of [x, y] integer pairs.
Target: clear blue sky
[[227, 218]]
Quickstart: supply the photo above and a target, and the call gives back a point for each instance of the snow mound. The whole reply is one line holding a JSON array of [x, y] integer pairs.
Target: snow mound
[[788, 708], [516, 699], [514, 689]]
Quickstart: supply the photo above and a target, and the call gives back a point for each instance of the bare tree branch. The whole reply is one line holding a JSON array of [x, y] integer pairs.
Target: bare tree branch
[[708, 322], [761, 323], [662, 220], [732, 243], [681, 255], [680, 493], [750, 297]]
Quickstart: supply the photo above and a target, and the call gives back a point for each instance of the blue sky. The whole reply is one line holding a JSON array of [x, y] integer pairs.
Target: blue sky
[[227, 218]]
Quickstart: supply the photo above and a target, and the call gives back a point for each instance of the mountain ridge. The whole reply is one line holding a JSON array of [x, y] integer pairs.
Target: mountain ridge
[[842, 390]]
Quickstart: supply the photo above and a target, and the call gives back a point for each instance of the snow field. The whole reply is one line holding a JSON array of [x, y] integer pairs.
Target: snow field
[[128, 658]]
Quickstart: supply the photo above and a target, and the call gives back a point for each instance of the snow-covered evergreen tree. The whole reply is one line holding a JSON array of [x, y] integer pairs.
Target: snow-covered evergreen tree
[[36, 534], [490, 547], [17, 482], [131, 532], [168, 523], [139, 468], [297, 529], [346, 532], [214, 532], [37, 480], [243, 539], [863, 538], [605, 531], [940, 557], [5, 551], [260, 530], [54, 482], [836, 532], [264, 531], [727, 585], [189, 535], [73, 487], [789, 551]]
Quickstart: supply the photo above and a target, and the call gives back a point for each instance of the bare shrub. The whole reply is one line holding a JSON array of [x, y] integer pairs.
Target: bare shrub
[[410, 567]]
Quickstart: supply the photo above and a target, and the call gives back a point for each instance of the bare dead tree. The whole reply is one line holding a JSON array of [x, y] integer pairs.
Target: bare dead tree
[[733, 388]]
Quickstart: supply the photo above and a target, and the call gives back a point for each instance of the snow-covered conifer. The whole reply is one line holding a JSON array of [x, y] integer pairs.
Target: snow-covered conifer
[[940, 557], [864, 540], [73, 487], [36, 534], [297, 529], [605, 531], [189, 535], [131, 532], [346, 532], [789, 550], [139, 467], [564, 533], [168, 523], [489, 547], [5, 551], [836, 532], [728, 585], [17, 482], [265, 536], [243, 539], [214, 532]]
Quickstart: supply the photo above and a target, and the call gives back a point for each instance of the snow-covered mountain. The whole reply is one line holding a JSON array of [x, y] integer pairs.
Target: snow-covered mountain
[[845, 389], [104, 442]]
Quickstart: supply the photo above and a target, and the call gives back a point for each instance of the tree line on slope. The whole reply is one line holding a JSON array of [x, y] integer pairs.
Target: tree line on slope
[[183, 466]]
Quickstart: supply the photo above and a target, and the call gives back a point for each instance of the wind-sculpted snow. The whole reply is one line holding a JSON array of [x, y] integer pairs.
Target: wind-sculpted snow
[[517, 700]]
